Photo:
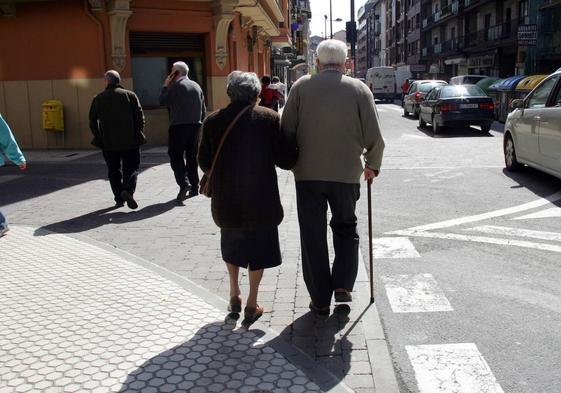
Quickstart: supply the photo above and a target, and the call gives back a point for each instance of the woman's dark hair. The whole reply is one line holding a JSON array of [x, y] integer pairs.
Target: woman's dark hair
[[266, 80]]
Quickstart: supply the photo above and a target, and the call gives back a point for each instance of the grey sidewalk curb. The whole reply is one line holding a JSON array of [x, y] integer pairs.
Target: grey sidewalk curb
[[300, 359], [383, 372]]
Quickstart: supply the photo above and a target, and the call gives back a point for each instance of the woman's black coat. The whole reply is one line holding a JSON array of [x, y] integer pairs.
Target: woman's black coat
[[245, 192]]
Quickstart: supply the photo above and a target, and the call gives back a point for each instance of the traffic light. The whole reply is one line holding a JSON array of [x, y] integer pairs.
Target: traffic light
[[351, 32]]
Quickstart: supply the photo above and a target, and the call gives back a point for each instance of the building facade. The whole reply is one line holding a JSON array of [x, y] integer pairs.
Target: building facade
[[485, 37], [70, 43], [444, 38]]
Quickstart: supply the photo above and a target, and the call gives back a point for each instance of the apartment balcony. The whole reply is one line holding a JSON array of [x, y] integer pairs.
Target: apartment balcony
[[498, 35], [451, 10]]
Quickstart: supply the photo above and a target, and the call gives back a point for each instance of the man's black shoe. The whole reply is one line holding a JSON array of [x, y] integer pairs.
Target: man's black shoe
[[119, 204], [323, 311], [343, 297], [127, 197], [194, 192], [182, 195]]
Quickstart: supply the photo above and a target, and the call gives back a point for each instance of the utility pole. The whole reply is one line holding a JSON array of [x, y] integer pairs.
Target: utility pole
[[330, 19], [353, 36], [325, 28]]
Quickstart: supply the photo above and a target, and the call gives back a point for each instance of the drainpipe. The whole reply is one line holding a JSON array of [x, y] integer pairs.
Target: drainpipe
[[100, 33]]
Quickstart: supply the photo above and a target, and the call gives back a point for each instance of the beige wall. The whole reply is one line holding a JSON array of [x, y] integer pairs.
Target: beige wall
[[21, 105]]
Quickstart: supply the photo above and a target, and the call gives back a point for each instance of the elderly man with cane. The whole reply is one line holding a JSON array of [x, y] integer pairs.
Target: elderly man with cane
[[335, 122]]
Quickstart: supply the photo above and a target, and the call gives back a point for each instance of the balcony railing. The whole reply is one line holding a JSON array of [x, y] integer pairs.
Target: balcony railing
[[503, 31]]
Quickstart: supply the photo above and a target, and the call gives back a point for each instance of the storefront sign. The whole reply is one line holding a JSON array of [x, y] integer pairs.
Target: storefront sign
[[481, 61], [527, 35]]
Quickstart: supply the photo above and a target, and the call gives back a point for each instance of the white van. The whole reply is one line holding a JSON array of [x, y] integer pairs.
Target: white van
[[381, 81]]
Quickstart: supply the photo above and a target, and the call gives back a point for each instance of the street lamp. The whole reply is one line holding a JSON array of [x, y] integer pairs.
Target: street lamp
[[325, 28], [331, 19]]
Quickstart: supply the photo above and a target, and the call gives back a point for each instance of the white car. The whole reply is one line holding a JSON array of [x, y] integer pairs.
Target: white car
[[533, 129]]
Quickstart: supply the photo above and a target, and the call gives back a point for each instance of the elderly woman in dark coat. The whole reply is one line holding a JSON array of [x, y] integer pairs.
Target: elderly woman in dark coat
[[245, 196]]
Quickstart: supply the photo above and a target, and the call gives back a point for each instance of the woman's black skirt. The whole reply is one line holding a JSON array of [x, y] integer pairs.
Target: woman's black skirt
[[253, 248]]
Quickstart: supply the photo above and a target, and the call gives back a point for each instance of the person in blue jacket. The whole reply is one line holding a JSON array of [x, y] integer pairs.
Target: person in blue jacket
[[10, 148]]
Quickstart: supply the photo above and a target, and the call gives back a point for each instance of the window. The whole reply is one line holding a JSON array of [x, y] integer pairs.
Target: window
[[462, 91], [539, 97], [557, 101], [153, 55], [523, 17]]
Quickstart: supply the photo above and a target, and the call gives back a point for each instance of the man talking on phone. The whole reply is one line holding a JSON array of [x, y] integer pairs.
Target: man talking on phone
[[186, 107]]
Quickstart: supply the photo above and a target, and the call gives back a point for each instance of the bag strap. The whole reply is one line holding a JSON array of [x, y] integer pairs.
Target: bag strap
[[223, 139]]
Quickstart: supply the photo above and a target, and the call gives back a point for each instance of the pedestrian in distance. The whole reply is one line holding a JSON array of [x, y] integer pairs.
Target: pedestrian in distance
[[186, 107], [10, 148], [269, 96], [335, 122], [245, 195], [117, 125], [280, 88]]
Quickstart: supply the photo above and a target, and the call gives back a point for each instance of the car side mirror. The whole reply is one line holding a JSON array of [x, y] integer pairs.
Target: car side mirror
[[517, 104]]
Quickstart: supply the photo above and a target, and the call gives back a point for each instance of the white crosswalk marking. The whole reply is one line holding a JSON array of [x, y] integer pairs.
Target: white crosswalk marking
[[452, 368], [394, 247], [498, 230], [417, 293], [547, 213]]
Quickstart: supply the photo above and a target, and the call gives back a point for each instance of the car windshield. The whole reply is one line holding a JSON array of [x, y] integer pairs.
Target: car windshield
[[426, 87], [461, 91]]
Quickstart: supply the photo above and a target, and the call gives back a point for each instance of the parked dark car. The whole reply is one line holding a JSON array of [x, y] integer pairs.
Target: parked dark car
[[414, 96], [459, 105]]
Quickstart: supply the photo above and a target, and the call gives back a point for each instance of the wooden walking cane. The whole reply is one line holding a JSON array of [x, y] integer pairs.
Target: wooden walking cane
[[370, 245]]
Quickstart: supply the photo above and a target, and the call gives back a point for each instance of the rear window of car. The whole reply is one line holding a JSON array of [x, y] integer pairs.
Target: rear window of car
[[426, 87], [471, 80], [461, 91]]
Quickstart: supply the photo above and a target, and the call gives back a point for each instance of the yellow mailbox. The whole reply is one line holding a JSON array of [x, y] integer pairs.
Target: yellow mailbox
[[53, 115]]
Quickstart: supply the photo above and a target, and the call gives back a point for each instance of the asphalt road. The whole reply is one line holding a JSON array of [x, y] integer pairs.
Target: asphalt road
[[472, 303]]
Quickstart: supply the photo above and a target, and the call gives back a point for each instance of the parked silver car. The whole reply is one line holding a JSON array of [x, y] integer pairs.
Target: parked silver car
[[533, 130]]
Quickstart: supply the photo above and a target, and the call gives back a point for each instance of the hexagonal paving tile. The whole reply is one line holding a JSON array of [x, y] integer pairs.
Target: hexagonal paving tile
[[102, 323]]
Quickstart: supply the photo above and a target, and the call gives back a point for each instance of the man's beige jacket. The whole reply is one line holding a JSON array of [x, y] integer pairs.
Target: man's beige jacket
[[335, 121]]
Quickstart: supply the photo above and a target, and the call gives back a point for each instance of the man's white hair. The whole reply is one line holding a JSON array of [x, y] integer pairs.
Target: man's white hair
[[332, 52], [181, 67]]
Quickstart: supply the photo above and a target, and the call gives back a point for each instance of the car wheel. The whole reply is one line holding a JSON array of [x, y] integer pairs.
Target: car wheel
[[511, 162], [435, 127], [422, 123], [486, 128]]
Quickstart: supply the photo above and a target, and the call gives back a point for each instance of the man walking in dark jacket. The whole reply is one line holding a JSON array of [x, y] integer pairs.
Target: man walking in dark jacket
[[117, 124], [186, 106]]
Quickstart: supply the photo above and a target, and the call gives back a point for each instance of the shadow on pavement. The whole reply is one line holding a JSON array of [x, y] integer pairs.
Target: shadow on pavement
[[455, 132], [218, 358], [540, 183], [107, 216], [42, 178], [321, 339]]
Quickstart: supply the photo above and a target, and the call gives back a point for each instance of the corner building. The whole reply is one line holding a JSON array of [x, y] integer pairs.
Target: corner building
[[60, 50]]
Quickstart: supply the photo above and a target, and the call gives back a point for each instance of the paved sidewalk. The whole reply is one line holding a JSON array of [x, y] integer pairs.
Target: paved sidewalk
[[76, 317], [75, 198]]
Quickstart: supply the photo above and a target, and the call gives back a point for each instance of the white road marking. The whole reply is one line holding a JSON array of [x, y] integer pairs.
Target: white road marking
[[547, 213], [424, 168], [7, 178], [452, 368], [479, 239], [414, 136], [394, 247], [394, 108], [498, 230], [417, 293], [480, 217]]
